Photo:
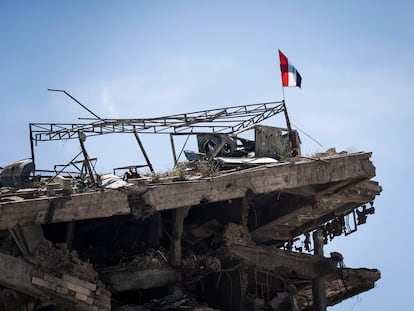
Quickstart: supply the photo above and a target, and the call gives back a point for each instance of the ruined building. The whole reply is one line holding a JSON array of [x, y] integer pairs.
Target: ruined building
[[241, 225]]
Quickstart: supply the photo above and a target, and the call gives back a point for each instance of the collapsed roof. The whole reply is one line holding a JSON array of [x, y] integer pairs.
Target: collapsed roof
[[247, 235]]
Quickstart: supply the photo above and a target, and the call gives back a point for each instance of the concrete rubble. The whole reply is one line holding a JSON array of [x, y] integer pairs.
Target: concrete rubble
[[227, 230], [221, 242]]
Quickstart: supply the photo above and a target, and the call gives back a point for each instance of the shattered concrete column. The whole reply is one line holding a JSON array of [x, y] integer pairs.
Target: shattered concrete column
[[318, 283], [177, 232]]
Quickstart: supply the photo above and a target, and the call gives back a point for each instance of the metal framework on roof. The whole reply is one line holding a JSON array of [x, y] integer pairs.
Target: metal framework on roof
[[228, 120], [221, 120]]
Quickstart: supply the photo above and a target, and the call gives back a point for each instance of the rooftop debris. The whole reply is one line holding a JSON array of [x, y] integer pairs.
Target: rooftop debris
[[239, 226]]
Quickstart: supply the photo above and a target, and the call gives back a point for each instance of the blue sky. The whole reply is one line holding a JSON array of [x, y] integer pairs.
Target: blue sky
[[151, 58]]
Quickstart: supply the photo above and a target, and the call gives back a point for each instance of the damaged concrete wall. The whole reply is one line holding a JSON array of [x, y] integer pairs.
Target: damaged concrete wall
[[56, 277], [182, 244]]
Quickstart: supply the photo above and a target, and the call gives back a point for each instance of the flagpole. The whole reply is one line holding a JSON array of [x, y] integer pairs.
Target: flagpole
[[292, 136], [284, 68]]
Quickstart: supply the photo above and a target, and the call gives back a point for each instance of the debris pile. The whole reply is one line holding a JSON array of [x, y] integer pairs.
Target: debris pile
[[240, 226], [236, 234], [58, 272]]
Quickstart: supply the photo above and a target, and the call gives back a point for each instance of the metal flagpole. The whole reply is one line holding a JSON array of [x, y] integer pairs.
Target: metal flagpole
[[292, 136]]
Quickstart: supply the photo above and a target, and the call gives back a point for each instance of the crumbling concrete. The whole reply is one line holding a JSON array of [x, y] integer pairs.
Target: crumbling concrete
[[306, 178], [55, 276], [224, 242]]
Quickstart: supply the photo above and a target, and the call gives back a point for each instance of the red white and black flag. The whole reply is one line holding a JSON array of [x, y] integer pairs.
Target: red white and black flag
[[290, 76]]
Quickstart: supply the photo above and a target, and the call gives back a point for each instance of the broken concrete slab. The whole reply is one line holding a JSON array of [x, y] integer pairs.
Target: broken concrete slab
[[132, 278], [143, 201], [230, 217], [340, 285]]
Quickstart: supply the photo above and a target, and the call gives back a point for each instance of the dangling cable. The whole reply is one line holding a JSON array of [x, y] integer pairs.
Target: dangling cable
[[307, 135]]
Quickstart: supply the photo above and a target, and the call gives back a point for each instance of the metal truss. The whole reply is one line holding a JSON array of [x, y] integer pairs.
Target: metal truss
[[221, 120]]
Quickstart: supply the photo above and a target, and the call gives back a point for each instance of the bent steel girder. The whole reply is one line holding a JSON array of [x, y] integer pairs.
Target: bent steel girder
[[220, 120]]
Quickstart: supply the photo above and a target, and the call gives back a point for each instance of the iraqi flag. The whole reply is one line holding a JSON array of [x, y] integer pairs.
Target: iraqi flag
[[290, 76]]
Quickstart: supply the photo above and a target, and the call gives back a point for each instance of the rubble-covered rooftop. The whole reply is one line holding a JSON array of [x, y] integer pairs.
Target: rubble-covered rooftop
[[239, 226]]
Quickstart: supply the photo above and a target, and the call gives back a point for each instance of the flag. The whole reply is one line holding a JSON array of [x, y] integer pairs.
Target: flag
[[290, 76]]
